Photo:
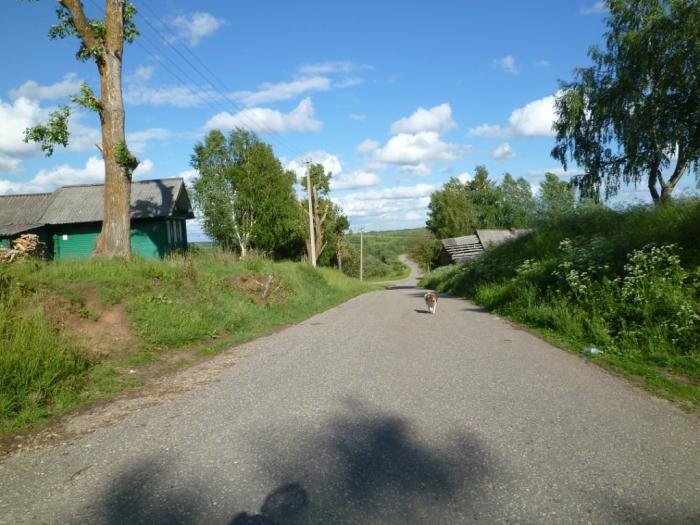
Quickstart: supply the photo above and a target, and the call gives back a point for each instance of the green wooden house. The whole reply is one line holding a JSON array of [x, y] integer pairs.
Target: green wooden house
[[70, 219]]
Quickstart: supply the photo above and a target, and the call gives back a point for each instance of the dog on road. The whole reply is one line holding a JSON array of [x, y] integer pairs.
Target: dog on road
[[431, 299]]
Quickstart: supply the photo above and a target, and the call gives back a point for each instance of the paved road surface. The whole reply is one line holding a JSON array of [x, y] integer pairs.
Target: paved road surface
[[376, 412]]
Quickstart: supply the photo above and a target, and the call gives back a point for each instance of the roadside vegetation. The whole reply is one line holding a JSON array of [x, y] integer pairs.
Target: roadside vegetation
[[77, 331], [381, 253], [626, 282]]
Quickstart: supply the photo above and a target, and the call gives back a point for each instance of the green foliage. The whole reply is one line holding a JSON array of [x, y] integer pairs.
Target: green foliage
[[66, 27], [635, 111], [125, 158], [425, 251], [460, 209], [175, 304], [87, 99], [246, 197], [381, 252], [625, 281], [52, 134]]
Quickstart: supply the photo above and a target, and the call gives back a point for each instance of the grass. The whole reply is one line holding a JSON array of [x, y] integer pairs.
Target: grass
[[185, 306], [624, 281], [382, 250]]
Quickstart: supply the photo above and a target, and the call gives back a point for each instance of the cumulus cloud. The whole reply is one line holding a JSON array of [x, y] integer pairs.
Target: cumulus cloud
[[331, 163], [464, 177], [356, 179], [47, 180], [189, 176], [14, 119], [325, 68], [507, 65], [503, 152], [142, 74], [70, 85], [388, 203], [268, 121], [532, 120], [413, 149], [593, 9], [367, 146], [195, 26], [438, 118]]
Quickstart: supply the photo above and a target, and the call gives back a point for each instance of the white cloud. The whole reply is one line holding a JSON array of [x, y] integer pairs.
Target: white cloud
[[503, 152], [331, 163], [532, 120], [595, 8], [507, 65], [488, 130], [142, 74], [413, 149], [268, 121], [464, 177], [70, 85], [195, 26], [391, 204], [438, 118], [356, 179], [283, 90], [357, 116], [137, 94], [48, 180], [324, 68], [542, 63], [189, 176], [14, 119], [367, 146]]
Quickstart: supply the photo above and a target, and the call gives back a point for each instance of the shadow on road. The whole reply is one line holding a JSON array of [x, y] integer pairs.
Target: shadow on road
[[362, 466]]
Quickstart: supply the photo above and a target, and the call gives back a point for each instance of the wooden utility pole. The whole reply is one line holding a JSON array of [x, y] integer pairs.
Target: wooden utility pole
[[311, 215], [361, 230]]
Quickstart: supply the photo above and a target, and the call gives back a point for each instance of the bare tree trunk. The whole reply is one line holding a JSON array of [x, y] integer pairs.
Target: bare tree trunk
[[114, 239]]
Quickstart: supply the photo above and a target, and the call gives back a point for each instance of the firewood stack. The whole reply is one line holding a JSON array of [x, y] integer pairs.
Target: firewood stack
[[26, 246]]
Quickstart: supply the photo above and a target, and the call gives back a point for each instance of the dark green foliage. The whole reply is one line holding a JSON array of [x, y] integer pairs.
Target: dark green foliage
[[515, 202], [425, 251], [635, 111], [556, 198], [626, 281], [54, 133]]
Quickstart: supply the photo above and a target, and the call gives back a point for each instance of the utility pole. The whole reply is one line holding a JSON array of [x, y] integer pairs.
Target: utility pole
[[361, 230], [311, 216]]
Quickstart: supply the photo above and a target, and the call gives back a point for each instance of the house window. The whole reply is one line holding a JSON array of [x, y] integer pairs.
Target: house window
[[167, 225]]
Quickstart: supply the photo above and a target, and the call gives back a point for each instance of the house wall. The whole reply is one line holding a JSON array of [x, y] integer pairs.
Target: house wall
[[5, 242], [150, 238]]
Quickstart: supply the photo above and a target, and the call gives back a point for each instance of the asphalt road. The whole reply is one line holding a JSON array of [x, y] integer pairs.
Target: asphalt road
[[377, 412]]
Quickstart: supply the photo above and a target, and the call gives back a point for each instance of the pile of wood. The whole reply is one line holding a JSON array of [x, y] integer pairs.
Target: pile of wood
[[26, 246]]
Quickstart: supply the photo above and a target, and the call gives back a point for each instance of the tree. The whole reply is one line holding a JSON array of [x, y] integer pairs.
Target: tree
[[341, 224], [245, 196], [515, 201], [321, 207], [103, 42], [556, 197], [484, 198], [636, 111]]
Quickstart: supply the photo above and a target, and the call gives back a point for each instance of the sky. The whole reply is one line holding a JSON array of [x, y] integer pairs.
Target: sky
[[394, 98]]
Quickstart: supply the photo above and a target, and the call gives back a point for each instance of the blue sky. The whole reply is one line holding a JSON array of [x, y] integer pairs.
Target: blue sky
[[393, 97]]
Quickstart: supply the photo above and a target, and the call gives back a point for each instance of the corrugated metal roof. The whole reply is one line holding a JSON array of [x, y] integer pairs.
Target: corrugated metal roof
[[20, 213], [85, 203], [469, 246]]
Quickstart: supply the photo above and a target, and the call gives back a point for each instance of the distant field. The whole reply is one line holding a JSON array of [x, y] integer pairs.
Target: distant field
[[382, 249]]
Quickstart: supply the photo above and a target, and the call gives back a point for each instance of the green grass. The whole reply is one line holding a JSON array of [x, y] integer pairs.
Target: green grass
[[381, 252], [624, 281], [199, 304]]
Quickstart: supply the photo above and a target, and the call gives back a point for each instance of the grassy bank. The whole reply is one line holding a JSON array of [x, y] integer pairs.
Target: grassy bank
[[76, 331], [625, 282]]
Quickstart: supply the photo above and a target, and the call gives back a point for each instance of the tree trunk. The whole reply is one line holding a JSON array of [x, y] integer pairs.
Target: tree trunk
[[114, 239]]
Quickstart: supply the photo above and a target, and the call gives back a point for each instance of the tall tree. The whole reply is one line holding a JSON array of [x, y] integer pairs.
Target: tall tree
[[516, 202], [341, 224], [636, 112], [484, 198], [450, 212], [321, 207], [103, 42], [245, 196], [556, 197]]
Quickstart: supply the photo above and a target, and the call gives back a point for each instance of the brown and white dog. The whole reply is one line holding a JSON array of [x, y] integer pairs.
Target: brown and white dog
[[431, 301]]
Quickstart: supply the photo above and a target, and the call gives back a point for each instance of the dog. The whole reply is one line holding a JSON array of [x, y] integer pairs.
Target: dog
[[431, 299]]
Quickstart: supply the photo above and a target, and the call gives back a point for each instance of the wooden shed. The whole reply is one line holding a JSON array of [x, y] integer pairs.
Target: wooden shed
[[70, 219], [461, 249]]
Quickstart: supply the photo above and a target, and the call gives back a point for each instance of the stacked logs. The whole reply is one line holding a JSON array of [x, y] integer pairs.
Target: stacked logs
[[24, 247]]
